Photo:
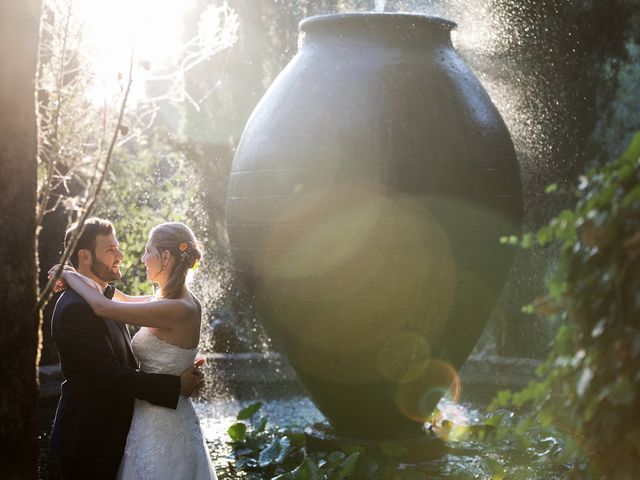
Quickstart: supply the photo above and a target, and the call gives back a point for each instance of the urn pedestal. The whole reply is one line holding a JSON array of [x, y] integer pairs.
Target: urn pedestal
[[365, 205]]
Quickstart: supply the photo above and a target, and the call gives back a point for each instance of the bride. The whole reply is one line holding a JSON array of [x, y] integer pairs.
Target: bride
[[162, 443]]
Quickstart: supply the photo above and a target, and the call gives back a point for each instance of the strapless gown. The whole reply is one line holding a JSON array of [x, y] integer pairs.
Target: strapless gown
[[164, 443]]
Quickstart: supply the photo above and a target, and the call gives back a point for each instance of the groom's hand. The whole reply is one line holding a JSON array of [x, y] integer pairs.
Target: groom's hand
[[191, 380]]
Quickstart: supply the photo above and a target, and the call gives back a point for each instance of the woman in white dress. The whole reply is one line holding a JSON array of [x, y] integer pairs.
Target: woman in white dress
[[162, 443]]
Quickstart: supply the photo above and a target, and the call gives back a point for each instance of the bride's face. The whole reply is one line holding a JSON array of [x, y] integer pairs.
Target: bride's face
[[152, 261]]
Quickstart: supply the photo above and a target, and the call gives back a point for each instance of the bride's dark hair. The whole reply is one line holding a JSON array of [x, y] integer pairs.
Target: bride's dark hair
[[180, 241]]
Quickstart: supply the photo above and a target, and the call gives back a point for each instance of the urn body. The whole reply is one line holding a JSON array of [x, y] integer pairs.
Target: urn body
[[366, 201]]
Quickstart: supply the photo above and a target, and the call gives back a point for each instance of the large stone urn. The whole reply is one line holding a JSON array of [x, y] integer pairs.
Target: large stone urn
[[366, 201]]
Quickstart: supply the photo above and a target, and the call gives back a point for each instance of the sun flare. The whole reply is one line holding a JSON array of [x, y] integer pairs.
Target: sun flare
[[153, 31]]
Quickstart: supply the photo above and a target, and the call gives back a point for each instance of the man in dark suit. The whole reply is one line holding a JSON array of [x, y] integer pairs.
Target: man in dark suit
[[101, 378]]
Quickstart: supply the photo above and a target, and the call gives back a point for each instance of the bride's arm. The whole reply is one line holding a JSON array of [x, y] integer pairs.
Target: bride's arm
[[123, 297], [166, 313]]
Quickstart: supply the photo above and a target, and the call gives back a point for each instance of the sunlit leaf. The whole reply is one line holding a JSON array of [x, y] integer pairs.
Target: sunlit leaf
[[237, 431], [249, 411]]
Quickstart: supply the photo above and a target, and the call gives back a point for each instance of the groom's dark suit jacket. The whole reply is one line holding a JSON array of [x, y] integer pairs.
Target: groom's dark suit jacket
[[101, 382]]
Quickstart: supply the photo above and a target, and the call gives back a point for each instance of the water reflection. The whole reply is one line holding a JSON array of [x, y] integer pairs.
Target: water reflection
[[466, 459]]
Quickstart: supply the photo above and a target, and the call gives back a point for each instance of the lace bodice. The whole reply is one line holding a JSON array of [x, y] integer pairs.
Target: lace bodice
[[158, 356], [164, 444]]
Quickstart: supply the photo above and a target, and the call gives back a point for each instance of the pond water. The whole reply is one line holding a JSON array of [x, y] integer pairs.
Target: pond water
[[465, 459]]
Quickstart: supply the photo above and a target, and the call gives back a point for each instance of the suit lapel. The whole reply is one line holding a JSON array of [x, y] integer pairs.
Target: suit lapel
[[127, 339], [121, 334]]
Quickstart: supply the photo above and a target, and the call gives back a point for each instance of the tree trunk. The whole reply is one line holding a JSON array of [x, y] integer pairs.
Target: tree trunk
[[18, 323]]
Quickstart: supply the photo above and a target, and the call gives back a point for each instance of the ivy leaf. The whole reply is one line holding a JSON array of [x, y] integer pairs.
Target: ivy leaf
[[632, 198], [544, 235], [527, 241], [633, 150]]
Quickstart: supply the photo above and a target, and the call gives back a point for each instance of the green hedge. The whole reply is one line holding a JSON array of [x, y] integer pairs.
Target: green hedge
[[589, 387]]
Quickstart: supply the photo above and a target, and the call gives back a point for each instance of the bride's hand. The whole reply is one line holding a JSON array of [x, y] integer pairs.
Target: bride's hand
[[61, 284]]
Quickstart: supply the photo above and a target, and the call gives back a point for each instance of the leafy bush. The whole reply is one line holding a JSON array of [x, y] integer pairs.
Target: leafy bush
[[589, 386]]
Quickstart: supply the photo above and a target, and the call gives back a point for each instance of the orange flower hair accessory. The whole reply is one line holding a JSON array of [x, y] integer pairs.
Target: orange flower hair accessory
[[183, 247]]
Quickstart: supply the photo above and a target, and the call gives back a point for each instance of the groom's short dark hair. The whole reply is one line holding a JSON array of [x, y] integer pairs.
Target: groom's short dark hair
[[92, 228]]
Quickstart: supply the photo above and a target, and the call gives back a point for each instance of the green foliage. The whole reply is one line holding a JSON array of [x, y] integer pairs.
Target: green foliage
[[147, 186], [498, 448], [280, 453], [589, 386]]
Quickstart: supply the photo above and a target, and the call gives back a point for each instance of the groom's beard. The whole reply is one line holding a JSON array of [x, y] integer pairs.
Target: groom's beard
[[104, 272]]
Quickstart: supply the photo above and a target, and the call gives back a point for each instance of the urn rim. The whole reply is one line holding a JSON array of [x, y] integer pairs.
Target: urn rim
[[371, 20]]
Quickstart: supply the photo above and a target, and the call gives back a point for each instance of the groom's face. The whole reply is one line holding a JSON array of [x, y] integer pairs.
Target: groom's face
[[106, 258]]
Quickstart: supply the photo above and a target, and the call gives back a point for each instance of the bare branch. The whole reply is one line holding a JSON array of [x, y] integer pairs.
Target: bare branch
[[46, 294], [56, 120]]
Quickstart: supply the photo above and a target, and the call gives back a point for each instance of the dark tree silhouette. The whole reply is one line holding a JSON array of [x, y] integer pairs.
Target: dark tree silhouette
[[18, 322]]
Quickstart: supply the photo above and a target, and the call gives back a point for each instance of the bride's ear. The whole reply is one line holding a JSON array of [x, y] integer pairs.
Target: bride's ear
[[166, 257]]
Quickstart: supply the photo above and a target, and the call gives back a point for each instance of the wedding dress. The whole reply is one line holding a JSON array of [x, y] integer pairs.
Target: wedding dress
[[164, 443]]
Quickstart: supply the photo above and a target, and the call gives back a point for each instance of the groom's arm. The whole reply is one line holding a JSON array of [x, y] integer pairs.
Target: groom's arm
[[90, 358]]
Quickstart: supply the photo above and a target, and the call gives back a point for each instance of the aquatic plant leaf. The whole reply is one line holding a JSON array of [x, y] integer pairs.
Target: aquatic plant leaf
[[307, 470], [349, 448], [260, 424], [297, 439], [285, 476], [249, 411], [413, 475], [336, 458], [348, 465], [392, 449], [275, 452], [496, 469], [237, 432], [246, 463]]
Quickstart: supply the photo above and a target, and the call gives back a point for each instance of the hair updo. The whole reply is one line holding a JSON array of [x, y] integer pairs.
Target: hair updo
[[180, 241]]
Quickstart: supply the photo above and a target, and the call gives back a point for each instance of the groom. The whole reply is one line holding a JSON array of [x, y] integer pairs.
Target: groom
[[101, 376]]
